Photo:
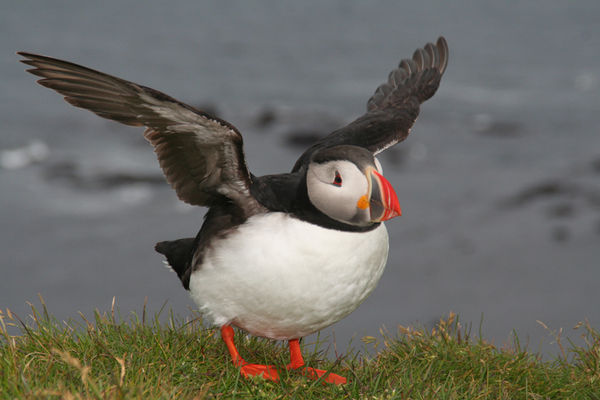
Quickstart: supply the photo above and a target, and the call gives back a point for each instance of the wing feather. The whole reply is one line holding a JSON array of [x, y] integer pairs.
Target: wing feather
[[201, 156], [394, 107]]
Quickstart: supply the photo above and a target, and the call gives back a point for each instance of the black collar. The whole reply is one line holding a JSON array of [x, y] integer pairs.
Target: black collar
[[287, 193]]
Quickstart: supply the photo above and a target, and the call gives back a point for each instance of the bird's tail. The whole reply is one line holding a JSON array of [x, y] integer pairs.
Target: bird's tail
[[179, 256]]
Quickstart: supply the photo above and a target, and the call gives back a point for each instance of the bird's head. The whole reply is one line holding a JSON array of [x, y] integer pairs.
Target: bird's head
[[346, 184]]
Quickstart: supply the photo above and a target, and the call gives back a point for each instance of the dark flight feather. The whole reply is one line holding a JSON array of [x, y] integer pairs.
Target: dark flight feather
[[201, 156], [394, 107]]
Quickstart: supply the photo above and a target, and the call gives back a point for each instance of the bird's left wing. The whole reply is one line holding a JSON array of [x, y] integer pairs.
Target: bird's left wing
[[201, 156], [394, 107]]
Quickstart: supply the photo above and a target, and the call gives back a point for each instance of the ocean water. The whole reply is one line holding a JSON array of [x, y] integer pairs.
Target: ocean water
[[499, 181]]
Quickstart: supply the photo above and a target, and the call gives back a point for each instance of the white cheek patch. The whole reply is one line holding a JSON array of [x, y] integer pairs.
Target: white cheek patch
[[337, 202]]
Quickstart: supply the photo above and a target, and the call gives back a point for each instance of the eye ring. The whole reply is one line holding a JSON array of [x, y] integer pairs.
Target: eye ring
[[337, 180]]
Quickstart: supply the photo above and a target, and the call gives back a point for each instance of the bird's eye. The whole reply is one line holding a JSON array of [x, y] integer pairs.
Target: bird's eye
[[337, 181]]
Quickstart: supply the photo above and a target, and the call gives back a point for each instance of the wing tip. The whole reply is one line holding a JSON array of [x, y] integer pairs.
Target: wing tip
[[27, 58], [30, 58], [429, 57], [442, 46]]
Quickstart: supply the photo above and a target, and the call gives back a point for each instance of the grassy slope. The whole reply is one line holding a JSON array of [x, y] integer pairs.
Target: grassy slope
[[110, 358]]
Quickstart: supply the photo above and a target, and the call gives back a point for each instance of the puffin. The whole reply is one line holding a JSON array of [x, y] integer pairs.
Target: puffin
[[279, 256]]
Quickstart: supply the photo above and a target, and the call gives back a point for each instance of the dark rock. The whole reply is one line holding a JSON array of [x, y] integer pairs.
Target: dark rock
[[61, 170], [266, 118], [561, 210], [69, 173], [485, 124], [541, 190], [303, 137], [117, 179], [567, 193]]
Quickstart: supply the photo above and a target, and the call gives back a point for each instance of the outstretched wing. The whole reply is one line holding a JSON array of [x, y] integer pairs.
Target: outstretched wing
[[201, 156], [394, 107]]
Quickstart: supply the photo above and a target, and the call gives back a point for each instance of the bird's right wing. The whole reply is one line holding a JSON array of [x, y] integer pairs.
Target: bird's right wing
[[201, 156]]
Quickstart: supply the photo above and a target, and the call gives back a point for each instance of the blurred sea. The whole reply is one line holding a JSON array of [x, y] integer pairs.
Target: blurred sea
[[499, 181]]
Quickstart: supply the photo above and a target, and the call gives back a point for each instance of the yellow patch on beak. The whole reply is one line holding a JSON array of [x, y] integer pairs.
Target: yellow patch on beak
[[363, 203]]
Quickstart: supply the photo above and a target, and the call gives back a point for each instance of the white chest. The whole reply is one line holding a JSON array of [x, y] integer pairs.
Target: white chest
[[283, 278]]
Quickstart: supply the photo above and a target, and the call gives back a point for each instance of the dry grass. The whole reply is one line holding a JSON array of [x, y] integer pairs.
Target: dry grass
[[112, 358]]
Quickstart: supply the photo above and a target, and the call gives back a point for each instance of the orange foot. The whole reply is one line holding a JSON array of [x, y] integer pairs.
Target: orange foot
[[315, 374], [297, 362], [265, 371], [268, 371]]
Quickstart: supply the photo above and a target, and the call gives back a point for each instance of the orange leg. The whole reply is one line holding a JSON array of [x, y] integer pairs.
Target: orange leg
[[266, 371], [296, 362]]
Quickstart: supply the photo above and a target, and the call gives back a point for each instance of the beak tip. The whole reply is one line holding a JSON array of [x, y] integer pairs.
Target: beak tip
[[392, 213], [387, 197]]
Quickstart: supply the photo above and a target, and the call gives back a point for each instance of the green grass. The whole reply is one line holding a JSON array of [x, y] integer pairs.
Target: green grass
[[112, 358]]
